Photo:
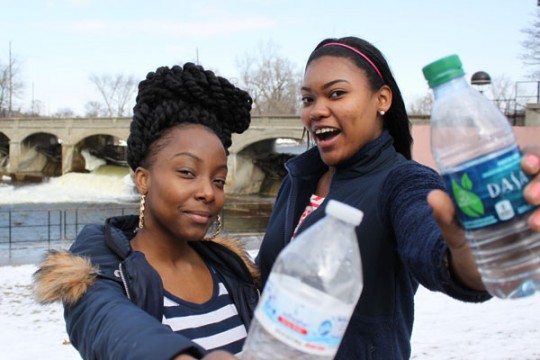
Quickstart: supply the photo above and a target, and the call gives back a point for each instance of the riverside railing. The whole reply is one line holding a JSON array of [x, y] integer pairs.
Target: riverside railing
[[20, 225]]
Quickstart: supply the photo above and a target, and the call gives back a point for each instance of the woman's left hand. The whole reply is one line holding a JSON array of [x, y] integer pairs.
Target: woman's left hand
[[460, 259]]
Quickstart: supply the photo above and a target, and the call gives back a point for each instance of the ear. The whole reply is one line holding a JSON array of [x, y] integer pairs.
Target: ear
[[384, 98], [141, 178]]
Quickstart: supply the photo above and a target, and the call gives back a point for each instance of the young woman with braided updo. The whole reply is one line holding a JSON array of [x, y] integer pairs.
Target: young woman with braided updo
[[155, 286]]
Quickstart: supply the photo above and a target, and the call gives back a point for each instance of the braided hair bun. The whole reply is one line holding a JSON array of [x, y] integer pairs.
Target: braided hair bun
[[185, 95]]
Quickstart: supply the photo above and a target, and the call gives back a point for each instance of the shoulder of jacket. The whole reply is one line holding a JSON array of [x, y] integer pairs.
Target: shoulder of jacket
[[63, 276], [410, 170], [90, 238]]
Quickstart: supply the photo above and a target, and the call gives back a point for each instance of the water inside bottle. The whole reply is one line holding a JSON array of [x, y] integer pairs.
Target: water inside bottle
[[508, 258]]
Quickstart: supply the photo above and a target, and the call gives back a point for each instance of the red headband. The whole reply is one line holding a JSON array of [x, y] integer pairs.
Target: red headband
[[359, 53]]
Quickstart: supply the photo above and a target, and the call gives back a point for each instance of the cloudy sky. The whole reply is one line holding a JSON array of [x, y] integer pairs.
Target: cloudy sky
[[59, 44]]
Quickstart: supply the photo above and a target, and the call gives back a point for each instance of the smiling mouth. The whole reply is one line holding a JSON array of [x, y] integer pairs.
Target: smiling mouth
[[201, 218], [325, 134]]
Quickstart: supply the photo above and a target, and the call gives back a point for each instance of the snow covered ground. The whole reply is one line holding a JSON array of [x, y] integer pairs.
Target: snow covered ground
[[444, 328]]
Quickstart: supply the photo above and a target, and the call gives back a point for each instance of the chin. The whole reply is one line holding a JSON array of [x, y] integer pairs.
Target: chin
[[194, 236], [330, 159]]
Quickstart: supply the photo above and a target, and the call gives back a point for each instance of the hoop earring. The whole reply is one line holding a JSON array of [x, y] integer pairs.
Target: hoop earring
[[141, 212], [217, 231], [382, 112]]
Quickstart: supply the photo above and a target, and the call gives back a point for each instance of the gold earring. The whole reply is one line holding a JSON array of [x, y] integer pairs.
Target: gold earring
[[217, 231], [141, 211]]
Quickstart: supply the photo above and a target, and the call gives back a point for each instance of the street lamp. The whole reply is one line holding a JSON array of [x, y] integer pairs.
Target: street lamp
[[481, 80]]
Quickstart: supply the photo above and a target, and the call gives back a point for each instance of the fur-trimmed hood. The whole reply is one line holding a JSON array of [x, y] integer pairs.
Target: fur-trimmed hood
[[64, 276]]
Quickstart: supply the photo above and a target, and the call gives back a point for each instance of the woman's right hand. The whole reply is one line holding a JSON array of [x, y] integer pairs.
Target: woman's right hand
[[531, 165]]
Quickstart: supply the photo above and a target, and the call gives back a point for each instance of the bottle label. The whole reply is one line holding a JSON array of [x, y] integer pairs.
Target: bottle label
[[489, 190], [301, 316]]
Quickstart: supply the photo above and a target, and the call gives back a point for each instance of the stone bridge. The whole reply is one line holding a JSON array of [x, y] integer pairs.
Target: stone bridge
[[67, 139], [34, 145]]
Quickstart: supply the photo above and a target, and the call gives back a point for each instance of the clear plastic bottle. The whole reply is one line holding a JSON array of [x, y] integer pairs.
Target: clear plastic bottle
[[311, 292], [475, 149]]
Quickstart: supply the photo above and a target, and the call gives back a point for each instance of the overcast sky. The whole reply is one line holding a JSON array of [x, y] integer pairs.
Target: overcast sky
[[59, 44]]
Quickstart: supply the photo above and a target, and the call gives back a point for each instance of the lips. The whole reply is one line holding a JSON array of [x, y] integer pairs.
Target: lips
[[325, 135], [201, 217]]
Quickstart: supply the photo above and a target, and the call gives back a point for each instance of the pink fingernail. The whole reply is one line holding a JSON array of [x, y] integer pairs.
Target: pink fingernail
[[534, 191], [535, 221], [532, 161]]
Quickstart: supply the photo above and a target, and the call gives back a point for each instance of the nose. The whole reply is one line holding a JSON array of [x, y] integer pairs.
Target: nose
[[205, 191], [317, 111]]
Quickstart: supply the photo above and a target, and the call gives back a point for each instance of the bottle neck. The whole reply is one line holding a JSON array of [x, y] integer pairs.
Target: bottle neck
[[457, 83]]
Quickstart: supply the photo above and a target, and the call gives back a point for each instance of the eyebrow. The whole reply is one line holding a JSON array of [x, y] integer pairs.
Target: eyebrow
[[328, 84], [195, 157], [187, 153]]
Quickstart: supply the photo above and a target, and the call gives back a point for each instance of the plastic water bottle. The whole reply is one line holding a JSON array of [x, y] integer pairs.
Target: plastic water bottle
[[311, 292], [475, 149]]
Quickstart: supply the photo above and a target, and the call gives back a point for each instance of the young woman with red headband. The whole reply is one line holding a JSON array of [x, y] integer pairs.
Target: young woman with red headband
[[354, 110]]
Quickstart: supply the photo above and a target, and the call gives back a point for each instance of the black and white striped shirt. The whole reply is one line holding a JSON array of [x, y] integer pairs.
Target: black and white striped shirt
[[213, 325]]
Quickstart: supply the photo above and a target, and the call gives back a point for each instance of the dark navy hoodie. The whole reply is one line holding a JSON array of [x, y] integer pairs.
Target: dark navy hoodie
[[400, 243]]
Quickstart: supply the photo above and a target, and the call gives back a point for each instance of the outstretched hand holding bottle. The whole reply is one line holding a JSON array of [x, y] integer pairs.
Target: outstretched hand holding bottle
[[492, 232], [461, 260]]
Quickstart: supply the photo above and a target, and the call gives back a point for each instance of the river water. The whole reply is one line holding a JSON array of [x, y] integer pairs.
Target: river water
[[49, 215]]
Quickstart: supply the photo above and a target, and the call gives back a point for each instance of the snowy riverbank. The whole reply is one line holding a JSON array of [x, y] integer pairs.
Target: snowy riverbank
[[445, 329]]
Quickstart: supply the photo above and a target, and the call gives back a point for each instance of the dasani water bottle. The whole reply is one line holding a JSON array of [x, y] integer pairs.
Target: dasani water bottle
[[311, 292], [475, 149]]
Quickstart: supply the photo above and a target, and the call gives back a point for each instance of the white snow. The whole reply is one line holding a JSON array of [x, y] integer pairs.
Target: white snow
[[444, 328]]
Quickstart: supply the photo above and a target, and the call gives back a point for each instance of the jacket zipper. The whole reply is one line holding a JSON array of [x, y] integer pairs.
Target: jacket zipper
[[124, 282]]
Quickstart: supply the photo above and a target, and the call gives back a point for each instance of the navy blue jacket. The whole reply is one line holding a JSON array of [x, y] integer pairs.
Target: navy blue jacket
[[105, 324], [400, 242]]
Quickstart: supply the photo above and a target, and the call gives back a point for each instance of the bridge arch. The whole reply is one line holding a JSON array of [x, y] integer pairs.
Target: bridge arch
[[254, 165], [119, 134], [242, 142], [98, 149], [40, 152], [4, 151]]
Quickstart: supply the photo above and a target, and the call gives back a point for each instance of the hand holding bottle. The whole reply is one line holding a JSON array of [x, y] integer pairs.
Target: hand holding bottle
[[531, 165], [461, 260], [475, 148], [311, 293]]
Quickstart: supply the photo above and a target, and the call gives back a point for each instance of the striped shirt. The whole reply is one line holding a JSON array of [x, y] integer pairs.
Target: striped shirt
[[314, 203], [213, 325]]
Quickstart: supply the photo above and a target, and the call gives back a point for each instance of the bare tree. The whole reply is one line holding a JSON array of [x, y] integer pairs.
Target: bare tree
[[421, 105], [93, 109], [11, 87], [531, 46], [502, 92], [117, 94], [64, 113], [272, 81], [36, 108], [4, 90]]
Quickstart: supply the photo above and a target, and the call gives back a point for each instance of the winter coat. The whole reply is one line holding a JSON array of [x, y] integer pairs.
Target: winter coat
[[104, 284], [400, 242]]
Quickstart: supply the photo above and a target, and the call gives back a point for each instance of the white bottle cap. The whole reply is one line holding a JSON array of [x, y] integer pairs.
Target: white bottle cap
[[344, 212]]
